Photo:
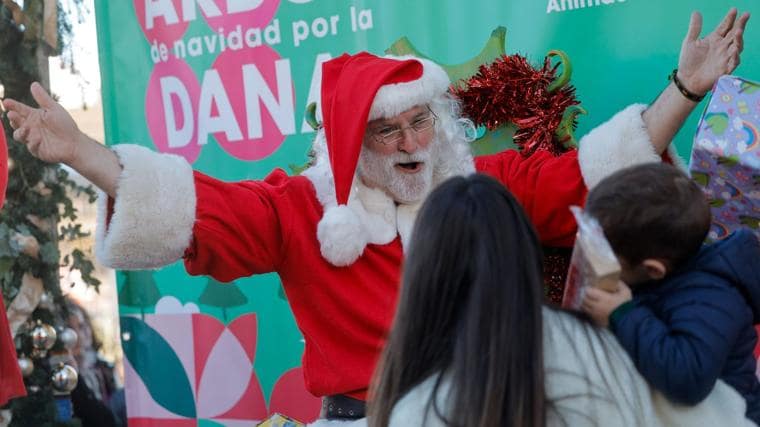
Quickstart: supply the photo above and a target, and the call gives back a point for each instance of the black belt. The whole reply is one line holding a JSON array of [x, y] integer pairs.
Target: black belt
[[342, 407]]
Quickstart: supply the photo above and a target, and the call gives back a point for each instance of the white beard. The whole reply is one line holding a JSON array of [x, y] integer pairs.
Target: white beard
[[379, 170]]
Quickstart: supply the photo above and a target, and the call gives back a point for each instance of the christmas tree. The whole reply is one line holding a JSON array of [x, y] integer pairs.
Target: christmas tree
[[222, 295], [139, 289], [38, 213]]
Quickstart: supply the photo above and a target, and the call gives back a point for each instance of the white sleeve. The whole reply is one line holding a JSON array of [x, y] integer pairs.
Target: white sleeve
[[620, 142]]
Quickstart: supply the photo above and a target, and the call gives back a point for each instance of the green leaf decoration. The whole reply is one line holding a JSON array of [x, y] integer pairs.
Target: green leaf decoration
[[49, 253], [79, 261], [311, 116], [158, 366], [566, 129], [718, 122], [494, 141], [717, 203], [8, 247], [6, 264], [494, 48], [567, 70], [298, 169]]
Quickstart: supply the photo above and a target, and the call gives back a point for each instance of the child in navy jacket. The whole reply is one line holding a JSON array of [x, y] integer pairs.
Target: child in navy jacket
[[689, 321]]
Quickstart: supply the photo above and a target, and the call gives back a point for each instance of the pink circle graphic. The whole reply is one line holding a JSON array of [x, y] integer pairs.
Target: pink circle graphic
[[171, 109], [247, 14], [166, 20], [230, 65]]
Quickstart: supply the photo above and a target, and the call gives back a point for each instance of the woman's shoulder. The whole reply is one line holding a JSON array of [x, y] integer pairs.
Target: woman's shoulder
[[562, 328], [589, 377], [416, 408], [591, 354]]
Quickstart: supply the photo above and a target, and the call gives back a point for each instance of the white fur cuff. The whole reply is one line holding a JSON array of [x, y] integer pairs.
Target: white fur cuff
[[617, 144], [153, 212]]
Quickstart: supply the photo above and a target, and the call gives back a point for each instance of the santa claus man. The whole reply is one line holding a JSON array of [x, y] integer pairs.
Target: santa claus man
[[336, 234]]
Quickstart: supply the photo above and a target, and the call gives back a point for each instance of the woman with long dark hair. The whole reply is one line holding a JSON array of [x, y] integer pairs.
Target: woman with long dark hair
[[473, 344]]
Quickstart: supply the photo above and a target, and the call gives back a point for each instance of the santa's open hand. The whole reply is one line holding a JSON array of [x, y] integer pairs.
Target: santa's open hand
[[704, 60], [599, 304], [48, 131]]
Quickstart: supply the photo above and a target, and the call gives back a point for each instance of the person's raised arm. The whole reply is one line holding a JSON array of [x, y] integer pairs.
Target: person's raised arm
[[701, 62], [52, 136], [164, 211]]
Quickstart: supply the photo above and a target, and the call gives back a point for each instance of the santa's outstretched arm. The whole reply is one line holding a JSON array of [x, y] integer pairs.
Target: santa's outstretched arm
[[701, 62], [52, 136], [640, 133], [148, 217]]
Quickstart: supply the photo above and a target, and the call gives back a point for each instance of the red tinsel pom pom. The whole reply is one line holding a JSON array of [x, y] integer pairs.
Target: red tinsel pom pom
[[510, 90]]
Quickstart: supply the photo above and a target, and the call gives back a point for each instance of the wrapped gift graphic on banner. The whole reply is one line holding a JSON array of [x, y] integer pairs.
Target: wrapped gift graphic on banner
[[726, 156]]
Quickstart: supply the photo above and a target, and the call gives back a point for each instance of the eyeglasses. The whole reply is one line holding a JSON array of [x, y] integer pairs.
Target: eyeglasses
[[392, 134]]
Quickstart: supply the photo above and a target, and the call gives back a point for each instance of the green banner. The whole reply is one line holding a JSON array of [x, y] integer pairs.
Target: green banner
[[225, 83]]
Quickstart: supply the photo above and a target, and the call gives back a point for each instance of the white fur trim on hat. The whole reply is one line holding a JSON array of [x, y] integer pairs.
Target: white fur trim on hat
[[153, 212], [341, 236], [393, 99], [621, 142]]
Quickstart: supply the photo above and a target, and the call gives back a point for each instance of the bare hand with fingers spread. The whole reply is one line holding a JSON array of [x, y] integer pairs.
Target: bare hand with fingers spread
[[704, 60], [701, 62], [599, 304], [52, 136], [48, 131]]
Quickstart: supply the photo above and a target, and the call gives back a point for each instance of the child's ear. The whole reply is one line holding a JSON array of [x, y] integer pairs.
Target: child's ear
[[654, 268]]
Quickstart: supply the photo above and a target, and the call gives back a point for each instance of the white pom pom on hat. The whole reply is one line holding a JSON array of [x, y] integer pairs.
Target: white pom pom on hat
[[342, 235]]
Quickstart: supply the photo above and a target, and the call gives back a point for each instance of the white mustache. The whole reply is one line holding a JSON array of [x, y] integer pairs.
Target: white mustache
[[421, 157]]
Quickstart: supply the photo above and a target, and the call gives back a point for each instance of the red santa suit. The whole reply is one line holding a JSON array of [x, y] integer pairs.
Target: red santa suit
[[341, 273]]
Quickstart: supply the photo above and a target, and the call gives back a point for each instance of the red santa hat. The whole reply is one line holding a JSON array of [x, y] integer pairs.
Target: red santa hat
[[356, 89]]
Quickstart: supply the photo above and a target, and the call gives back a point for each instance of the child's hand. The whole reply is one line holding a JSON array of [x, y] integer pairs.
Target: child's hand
[[600, 304]]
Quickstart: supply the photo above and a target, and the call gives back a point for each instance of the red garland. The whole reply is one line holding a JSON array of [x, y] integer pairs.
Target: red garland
[[510, 90]]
